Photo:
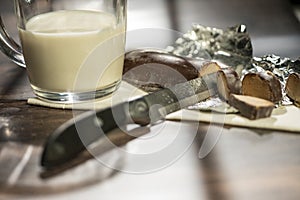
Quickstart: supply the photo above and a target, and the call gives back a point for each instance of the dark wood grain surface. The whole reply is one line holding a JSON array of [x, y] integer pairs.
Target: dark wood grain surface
[[244, 164]]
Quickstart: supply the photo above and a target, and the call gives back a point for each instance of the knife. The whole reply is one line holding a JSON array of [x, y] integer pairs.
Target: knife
[[67, 142]]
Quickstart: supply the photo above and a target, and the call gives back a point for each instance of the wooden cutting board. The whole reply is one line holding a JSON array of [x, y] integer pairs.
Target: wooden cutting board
[[21, 173]]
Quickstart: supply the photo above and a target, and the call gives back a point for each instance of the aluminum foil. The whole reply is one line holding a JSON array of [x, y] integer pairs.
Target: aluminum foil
[[233, 48]]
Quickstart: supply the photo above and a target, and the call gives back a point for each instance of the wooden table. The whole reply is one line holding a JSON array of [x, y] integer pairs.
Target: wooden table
[[244, 164]]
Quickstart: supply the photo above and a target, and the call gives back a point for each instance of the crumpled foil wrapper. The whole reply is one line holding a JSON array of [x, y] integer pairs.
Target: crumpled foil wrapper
[[231, 47]]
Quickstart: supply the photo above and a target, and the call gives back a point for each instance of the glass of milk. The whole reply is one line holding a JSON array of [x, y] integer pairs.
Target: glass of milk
[[73, 50]]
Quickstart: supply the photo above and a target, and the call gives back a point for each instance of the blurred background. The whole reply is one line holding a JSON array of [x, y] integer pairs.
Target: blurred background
[[273, 24]]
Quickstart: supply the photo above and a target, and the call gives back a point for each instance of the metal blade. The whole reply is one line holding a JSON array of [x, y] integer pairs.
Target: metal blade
[[66, 143]]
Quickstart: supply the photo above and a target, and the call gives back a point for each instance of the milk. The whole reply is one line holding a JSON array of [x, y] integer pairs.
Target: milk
[[57, 48]]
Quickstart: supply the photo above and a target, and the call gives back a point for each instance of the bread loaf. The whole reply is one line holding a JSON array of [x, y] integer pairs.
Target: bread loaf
[[154, 69], [264, 85], [151, 69], [292, 88]]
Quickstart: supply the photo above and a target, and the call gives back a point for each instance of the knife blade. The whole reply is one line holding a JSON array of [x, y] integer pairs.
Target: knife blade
[[66, 142]]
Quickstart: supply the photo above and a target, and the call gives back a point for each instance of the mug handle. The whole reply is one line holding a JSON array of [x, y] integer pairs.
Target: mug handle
[[9, 47]]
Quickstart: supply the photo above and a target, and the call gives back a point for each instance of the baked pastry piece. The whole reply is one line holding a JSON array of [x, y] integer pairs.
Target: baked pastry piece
[[292, 88], [251, 107], [228, 82], [264, 85], [156, 59], [151, 69]]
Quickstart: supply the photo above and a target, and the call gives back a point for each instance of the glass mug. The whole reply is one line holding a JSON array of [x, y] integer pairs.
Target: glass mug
[[73, 50]]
